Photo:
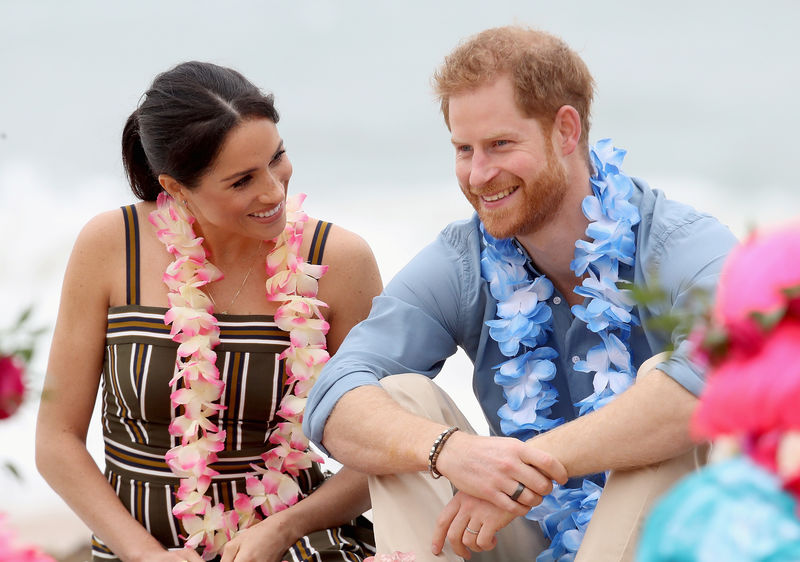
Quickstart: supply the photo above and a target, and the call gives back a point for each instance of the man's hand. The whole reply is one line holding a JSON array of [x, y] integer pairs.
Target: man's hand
[[491, 468], [463, 515]]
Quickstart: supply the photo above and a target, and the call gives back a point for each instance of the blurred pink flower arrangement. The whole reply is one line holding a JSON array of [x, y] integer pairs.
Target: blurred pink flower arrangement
[[751, 344], [12, 388], [752, 340], [16, 349]]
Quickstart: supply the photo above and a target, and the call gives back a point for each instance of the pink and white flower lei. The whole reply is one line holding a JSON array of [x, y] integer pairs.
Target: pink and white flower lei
[[291, 281]]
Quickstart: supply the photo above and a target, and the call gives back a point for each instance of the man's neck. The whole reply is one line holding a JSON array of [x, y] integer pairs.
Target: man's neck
[[552, 247]]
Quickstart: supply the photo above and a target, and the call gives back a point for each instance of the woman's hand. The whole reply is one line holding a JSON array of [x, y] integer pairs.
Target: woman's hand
[[469, 524], [266, 541]]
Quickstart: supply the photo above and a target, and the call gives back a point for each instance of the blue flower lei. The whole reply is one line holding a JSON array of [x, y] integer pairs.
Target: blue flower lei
[[524, 319]]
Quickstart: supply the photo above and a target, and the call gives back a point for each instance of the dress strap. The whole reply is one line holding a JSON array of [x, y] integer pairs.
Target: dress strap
[[131, 254], [318, 242]]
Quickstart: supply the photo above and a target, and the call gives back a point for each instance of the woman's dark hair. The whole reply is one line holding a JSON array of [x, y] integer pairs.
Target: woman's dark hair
[[182, 121]]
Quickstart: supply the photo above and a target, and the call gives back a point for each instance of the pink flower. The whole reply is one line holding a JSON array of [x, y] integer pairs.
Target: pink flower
[[756, 273], [753, 393], [292, 407], [273, 492], [754, 381], [12, 389], [395, 556]]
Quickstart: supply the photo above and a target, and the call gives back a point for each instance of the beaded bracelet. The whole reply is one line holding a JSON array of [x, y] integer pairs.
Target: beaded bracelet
[[436, 449]]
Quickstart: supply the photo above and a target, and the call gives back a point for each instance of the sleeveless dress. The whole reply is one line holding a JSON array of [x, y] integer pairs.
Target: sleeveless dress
[[136, 412]]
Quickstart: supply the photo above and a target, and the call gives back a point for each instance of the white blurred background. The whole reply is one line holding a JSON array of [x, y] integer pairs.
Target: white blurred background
[[703, 95]]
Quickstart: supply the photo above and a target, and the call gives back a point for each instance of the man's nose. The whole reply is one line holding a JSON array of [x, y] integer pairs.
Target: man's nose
[[482, 170]]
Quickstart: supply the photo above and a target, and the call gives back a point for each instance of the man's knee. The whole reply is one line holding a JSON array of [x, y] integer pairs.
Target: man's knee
[[421, 396], [416, 393], [406, 383]]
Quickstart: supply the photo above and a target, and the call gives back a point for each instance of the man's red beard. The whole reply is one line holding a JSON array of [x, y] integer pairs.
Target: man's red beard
[[541, 199]]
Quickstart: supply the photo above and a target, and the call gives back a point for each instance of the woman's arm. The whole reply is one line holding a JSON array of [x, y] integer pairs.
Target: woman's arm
[[348, 288], [350, 284], [70, 390]]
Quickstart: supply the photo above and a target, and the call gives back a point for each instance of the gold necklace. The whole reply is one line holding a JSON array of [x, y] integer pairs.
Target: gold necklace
[[239, 290]]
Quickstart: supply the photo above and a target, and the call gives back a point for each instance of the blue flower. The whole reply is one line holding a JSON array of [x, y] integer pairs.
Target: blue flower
[[531, 418], [525, 376], [530, 330], [606, 158], [502, 278], [524, 301], [564, 516], [597, 361]]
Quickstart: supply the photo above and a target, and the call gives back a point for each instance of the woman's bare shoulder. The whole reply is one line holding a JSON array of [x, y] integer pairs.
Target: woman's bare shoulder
[[98, 255], [101, 232], [106, 230], [350, 283], [344, 247]]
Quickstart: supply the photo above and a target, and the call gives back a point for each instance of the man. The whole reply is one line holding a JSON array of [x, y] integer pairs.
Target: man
[[530, 284]]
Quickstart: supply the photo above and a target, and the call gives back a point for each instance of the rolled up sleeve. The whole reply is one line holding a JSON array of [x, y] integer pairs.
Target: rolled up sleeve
[[411, 328], [686, 262]]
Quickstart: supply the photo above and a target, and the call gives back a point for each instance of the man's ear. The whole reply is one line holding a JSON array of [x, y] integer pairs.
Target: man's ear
[[567, 127], [171, 186]]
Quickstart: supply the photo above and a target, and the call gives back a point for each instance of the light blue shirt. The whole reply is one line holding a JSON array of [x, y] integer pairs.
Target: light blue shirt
[[439, 302]]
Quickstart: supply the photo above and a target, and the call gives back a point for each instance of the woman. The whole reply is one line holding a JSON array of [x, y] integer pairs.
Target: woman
[[203, 386]]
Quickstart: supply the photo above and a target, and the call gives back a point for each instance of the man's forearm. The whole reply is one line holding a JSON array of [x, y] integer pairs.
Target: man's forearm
[[370, 432], [648, 423]]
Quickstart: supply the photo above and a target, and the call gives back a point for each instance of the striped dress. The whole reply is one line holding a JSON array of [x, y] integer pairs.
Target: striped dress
[[136, 413]]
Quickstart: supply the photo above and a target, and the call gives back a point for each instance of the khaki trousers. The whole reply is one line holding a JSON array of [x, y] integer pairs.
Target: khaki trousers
[[405, 506]]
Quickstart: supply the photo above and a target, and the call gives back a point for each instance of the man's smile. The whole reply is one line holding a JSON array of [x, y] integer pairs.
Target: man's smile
[[499, 195]]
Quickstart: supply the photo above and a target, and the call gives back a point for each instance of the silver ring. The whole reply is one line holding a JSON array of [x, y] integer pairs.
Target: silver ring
[[471, 531], [518, 492]]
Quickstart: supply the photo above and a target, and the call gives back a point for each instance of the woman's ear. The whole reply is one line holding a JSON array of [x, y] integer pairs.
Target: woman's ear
[[171, 186], [567, 125]]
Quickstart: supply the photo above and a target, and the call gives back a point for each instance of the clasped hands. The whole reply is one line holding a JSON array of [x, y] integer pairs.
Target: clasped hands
[[488, 473]]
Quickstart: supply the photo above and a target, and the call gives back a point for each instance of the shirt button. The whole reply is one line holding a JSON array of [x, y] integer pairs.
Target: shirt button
[[575, 359], [556, 300]]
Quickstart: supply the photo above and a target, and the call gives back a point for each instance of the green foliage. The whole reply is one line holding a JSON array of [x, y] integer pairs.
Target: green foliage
[[13, 470], [674, 323], [20, 339]]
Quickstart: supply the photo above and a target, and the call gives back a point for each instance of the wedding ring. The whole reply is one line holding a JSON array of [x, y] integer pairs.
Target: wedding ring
[[471, 531], [518, 492]]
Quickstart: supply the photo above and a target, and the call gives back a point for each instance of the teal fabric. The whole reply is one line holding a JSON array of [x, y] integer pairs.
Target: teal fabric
[[733, 511]]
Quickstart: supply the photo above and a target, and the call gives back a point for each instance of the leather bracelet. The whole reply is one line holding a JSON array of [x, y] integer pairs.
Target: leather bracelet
[[436, 449]]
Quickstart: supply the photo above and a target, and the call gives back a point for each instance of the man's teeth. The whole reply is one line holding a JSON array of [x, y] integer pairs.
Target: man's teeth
[[268, 213], [498, 196]]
